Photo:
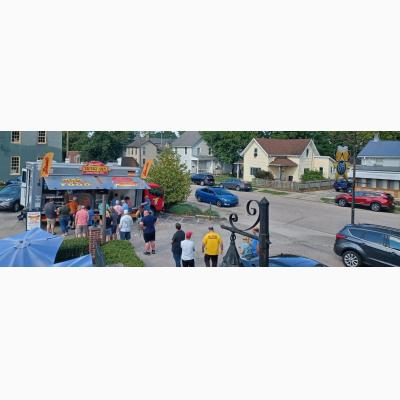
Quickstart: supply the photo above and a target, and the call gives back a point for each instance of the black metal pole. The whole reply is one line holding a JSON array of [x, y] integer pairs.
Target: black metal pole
[[353, 192], [103, 218], [264, 233]]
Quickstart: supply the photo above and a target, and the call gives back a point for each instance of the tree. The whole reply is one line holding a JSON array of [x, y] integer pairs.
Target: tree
[[172, 176], [226, 146]]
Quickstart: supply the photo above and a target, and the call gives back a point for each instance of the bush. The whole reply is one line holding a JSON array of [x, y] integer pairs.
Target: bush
[[121, 252], [72, 248], [267, 175], [190, 210], [312, 176]]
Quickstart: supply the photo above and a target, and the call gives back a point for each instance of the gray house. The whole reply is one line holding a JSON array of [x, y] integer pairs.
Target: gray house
[[18, 147]]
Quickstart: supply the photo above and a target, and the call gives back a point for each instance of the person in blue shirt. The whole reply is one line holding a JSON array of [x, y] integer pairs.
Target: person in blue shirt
[[91, 215], [149, 232], [147, 203], [255, 242], [125, 205]]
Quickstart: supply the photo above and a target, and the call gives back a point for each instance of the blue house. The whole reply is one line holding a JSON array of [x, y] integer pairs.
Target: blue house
[[18, 147], [380, 166]]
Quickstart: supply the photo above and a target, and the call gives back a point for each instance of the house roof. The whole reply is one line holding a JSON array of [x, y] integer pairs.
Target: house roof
[[283, 162], [187, 139], [381, 148], [156, 141], [283, 147]]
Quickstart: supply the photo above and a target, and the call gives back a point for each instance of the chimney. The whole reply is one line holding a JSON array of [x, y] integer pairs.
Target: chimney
[[376, 137]]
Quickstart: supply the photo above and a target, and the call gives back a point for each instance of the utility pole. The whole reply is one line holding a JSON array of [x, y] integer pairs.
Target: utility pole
[[353, 195]]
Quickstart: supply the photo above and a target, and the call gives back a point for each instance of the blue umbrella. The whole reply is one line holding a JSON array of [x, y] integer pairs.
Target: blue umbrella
[[35, 248], [84, 261]]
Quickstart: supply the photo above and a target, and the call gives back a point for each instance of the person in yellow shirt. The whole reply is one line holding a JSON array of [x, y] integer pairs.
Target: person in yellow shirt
[[212, 246]]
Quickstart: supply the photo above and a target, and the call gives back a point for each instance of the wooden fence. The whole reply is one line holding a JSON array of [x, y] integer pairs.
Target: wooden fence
[[293, 186]]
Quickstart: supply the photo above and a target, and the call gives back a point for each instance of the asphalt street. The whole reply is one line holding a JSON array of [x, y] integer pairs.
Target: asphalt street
[[299, 224]]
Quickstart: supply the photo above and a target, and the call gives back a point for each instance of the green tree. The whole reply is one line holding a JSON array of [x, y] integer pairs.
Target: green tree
[[227, 145], [311, 176], [173, 176]]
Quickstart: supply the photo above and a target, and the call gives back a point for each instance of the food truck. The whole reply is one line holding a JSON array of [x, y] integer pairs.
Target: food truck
[[88, 182]]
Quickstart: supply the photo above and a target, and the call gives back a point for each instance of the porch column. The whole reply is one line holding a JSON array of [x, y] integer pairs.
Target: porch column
[[237, 171], [197, 168]]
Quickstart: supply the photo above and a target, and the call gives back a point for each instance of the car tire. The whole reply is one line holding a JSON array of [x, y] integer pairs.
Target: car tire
[[338, 190], [375, 207], [202, 183], [221, 186], [198, 198], [238, 188], [342, 202], [351, 259], [16, 206], [219, 204]]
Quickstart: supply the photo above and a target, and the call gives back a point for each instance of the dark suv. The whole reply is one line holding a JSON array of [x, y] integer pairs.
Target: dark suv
[[203, 179], [367, 244]]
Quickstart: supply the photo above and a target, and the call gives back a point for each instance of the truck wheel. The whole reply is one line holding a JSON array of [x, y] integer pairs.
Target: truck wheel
[[342, 203], [16, 207], [238, 188], [375, 207], [202, 183], [351, 259]]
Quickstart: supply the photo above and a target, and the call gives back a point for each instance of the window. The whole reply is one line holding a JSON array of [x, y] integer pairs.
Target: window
[[374, 237], [15, 165], [209, 151], [253, 171], [144, 161], [394, 242], [307, 152], [306, 170], [185, 150], [321, 170], [39, 158], [15, 137], [379, 162], [255, 152], [42, 139], [144, 151], [198, 150]]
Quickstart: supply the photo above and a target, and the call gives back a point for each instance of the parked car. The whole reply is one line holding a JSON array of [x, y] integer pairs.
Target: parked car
[[286, 260], [10, 197], [367, 244], [218, 196], [203, 179], [15, 181], [235, 184], [343, 185], [376, 201]]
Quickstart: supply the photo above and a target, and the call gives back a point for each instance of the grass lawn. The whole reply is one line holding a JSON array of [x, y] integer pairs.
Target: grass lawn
[[328, 200], [271, 191], [121, 252], [188, 209], [220, 178]]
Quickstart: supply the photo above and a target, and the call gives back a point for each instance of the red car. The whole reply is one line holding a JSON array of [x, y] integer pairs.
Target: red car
[[376, 201]]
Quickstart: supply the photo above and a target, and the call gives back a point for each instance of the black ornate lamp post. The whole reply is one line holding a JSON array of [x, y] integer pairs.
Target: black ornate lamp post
[[232, 258]]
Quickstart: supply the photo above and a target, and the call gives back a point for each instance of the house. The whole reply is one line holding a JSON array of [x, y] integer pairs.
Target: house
[[146, 148], [197, 155], [18, 147], [379, 167], [286, 159], [73, 157]]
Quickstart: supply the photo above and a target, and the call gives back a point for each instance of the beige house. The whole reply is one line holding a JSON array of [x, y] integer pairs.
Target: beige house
[[286, 159], [143, 149]]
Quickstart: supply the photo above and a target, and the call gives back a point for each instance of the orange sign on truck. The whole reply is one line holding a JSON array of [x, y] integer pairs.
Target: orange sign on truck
[[46, 165]]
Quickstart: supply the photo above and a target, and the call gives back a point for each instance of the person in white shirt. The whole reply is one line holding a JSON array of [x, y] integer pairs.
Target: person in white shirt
[[188, 251], [125, 226]]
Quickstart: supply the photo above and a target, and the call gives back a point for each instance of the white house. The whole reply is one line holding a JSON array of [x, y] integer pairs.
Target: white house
[[197, 155], [286, 159]]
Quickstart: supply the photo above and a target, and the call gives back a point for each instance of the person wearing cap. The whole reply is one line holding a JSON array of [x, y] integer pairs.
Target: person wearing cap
[[148, 223], [188, 250], [212, 246], [176, 249], [125, 226], [118, 208]]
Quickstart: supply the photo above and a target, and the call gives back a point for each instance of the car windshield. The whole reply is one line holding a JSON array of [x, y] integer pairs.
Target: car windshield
[[221, 192], [9, 191]]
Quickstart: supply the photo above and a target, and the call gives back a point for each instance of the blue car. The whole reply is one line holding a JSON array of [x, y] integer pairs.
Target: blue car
[[218, 196], [342, 185], [285, 260]]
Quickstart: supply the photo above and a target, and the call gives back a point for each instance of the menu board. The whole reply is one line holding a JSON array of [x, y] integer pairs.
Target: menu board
[[32, 220]]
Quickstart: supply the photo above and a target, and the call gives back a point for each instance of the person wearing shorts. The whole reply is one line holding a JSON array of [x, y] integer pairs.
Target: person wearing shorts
[[81, 222], [51, 214], [125, 226], [212, 246], [149, 232]]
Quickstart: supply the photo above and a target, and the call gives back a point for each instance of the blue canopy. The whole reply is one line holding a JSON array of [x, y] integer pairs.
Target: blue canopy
[[84, 261], [35, 248], [88, 182]]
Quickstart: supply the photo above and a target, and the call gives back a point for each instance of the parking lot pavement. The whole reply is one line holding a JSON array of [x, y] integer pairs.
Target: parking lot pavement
[[9, 224]]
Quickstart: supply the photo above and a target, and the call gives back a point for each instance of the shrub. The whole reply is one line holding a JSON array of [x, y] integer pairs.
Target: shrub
[[312, 176], [121, 252], [267, 175], [191, 210], [72, 248]]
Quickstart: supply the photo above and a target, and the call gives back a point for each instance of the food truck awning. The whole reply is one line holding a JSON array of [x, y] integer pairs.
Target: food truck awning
[[94, 182]]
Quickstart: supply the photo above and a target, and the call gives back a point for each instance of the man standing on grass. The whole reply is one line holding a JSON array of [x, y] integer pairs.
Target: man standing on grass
[[212, 246], [179, 235]]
